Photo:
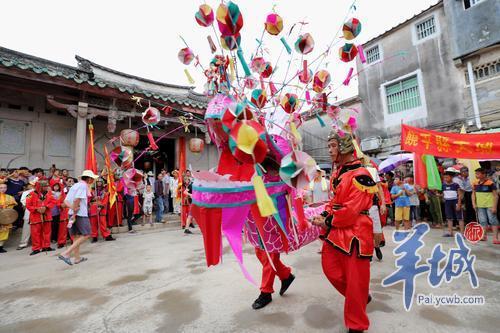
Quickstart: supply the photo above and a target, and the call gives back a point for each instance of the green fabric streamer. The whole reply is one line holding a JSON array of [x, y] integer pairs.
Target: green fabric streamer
[[433, 176], [321, 122]]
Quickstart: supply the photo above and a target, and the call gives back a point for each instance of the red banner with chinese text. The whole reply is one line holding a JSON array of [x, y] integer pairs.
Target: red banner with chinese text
[[441, 144]]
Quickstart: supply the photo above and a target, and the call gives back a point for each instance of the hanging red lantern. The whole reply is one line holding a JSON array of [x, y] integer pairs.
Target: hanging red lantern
[[196, 145]]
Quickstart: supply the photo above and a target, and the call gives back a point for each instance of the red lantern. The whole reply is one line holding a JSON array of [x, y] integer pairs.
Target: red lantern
[[129, 137], [196, 145]]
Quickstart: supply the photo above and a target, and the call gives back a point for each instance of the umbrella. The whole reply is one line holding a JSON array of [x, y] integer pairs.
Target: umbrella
[[392, 162]]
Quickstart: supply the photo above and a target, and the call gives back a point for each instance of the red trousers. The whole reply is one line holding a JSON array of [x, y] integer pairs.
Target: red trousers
[[98, 222], [62, 234], [184, 215], [268, 273], [350, 275], [112, 212], [40, 235]]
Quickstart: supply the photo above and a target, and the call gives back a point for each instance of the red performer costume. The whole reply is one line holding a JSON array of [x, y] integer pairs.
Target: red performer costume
[[348, 238], [115, 212], [39, 203], [98, 213], [62, 233]]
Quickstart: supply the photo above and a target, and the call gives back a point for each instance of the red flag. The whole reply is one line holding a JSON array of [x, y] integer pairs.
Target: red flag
[[91, 161], [111, 179]]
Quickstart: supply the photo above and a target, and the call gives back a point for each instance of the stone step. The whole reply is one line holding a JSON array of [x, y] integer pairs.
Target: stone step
[[170, 223]]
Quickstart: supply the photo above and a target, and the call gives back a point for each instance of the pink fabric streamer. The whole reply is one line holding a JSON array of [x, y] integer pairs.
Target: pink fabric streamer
[[233, 219], [361, 54], [348, 78], [308, 97], [272, 88]]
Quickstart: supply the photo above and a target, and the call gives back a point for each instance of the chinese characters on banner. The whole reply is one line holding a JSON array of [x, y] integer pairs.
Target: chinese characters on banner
[[469, 146]]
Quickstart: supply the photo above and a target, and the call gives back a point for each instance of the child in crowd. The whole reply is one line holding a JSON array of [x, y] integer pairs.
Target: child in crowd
[[452, 206], [147, 205]]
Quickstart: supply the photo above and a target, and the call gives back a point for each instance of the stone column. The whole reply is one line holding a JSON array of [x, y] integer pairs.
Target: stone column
[[81, 138]]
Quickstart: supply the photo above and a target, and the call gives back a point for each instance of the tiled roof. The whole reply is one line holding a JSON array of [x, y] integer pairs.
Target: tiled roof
[[85, 74]]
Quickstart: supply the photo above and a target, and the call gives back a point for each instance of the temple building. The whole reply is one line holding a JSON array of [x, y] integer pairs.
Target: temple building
[[46, 107]]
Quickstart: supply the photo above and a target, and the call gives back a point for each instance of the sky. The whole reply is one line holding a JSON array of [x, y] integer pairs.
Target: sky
[[142, 37]]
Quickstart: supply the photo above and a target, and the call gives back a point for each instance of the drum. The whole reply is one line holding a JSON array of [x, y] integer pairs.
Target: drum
[[7, 216]]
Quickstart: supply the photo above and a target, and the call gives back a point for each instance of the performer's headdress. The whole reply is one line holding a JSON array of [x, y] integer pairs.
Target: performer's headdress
[[345, 142]]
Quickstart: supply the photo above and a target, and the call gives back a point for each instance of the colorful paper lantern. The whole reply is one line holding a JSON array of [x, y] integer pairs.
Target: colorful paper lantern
[[247, 142], [304, 44], [298, 169], [321, 80], [351, 28], [230, 43], [234, 113], [204, 16], [196, 145], [348, 52], [289, 102], [151, 116], [305, 77], [132, 178], [259, 98], [122, 156], [213, 119], [274, 24], [258, 64], [268, 70], [129, 137], [229, 19], [185, 55], [250, 82]]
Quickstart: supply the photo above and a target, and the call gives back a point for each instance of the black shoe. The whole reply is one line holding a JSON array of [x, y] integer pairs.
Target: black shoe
[[382, 243], [47, 249], [187, 231], [109, 238], [60, 246], [378, 253], [263, 300], [2, 250], [286, 283], [369, 299], [34, 252], [183, 227], [94, 240], [191, 225], [355, 331]]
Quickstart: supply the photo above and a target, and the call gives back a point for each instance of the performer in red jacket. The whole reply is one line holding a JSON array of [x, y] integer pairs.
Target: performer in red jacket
[[62, 233], [39, 203], [115, 212], [348, 238], [98, 212]]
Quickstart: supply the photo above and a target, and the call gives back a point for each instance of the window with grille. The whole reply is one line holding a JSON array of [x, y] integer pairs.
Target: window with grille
[[426, 28], [470, 3], [485, 71], [403, 95], [373, 54]]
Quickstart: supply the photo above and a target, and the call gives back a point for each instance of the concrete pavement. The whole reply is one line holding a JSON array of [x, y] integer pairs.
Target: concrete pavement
[[158, 282]]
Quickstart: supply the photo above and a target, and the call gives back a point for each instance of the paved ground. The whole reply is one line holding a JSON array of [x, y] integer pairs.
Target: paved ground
[[157, 282]]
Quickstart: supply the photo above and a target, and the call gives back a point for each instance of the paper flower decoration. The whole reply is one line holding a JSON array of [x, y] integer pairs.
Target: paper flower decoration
[[258, 64], [289, 102], [204, 16], [304, 44], [348, 52], [185, 55], [229, 19], [259, 98], [268, 70], [230, 43], [213, 119], [122, 156], [250, 82], [305, 77], [351, 28], [321, 80], [234, 113], [274, 24], [129, 137], [320, 102], [151, 116], [247, 142], [297, 169], [132, 178]]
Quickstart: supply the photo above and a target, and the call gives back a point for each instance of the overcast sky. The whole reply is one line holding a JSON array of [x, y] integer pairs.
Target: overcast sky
[[141, 37]]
